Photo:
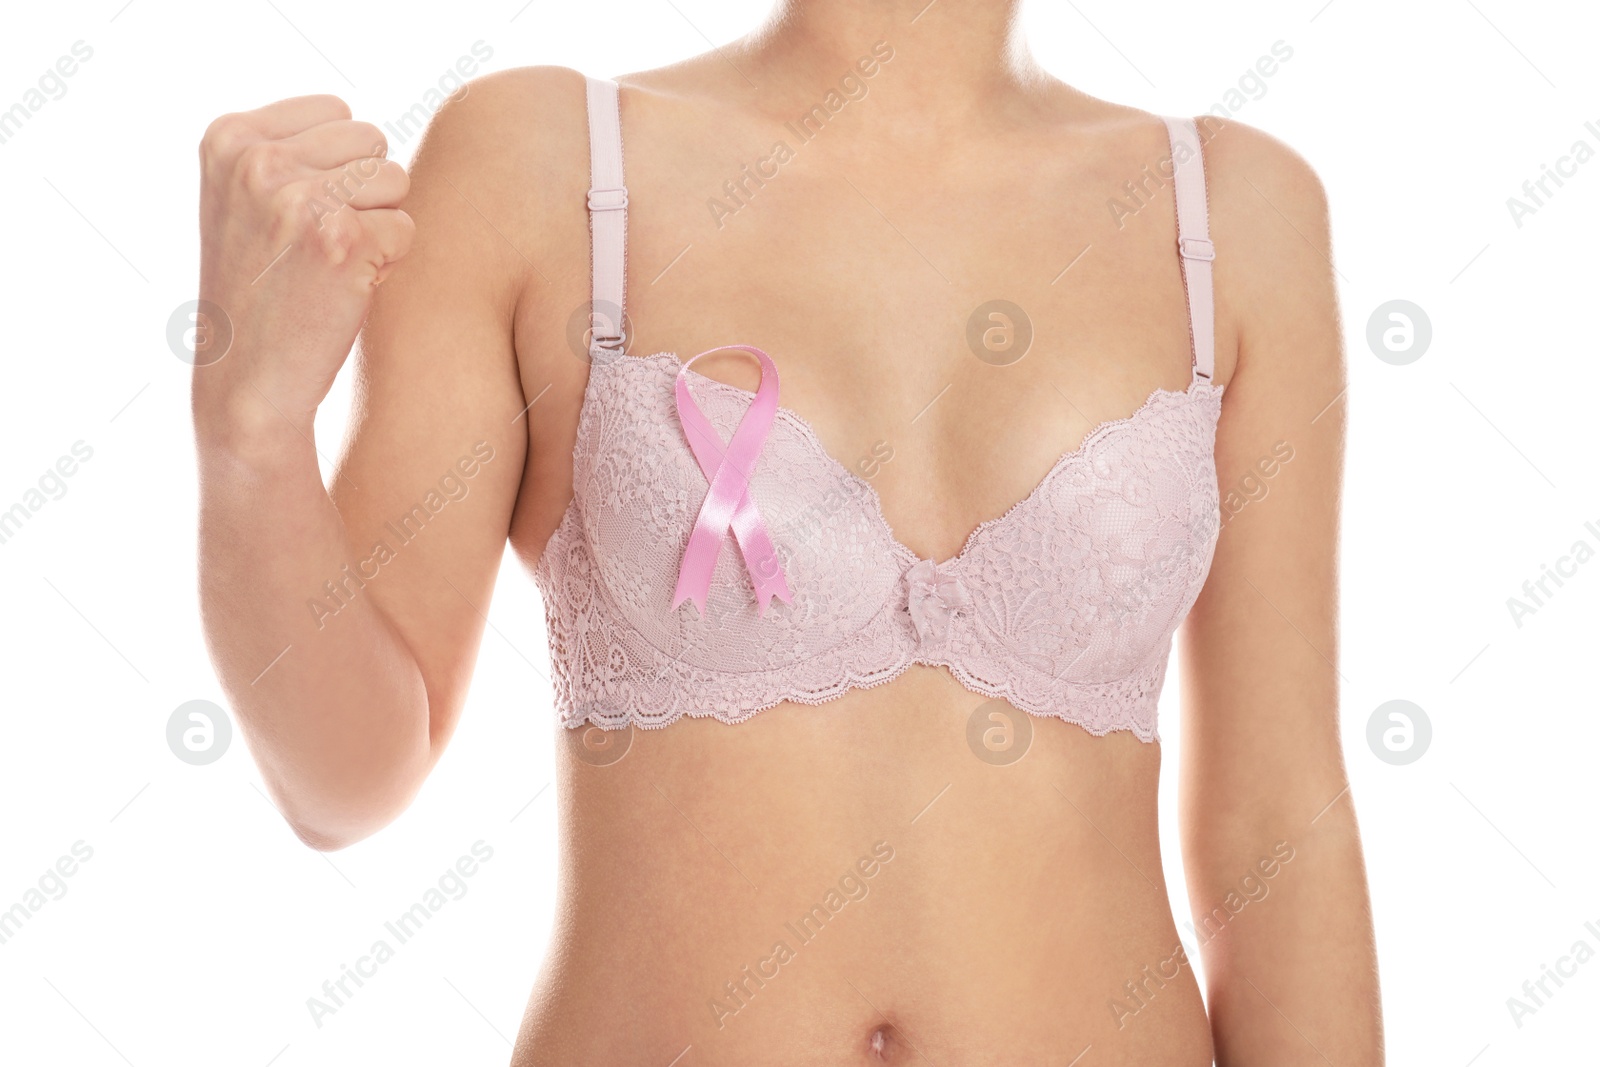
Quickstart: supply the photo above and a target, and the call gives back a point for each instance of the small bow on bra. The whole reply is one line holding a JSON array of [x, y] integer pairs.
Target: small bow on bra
[[933, 597]]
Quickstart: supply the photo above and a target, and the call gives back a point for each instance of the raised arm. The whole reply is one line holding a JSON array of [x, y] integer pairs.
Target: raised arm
[[1273, 858], [343, 624]]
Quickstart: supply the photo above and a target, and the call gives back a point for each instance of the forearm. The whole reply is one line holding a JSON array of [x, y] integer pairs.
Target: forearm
[[333, 705], [1285, 931]]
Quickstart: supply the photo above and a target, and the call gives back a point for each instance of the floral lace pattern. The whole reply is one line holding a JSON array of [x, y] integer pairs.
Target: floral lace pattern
[[1064, 606]]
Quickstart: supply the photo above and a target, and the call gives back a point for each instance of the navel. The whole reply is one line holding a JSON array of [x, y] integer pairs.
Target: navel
[[885, 1045]]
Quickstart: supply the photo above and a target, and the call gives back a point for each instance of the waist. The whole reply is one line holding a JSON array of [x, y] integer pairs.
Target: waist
[[865, 881]]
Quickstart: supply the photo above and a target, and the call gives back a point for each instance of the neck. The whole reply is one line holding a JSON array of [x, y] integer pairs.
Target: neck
[[951, 58]]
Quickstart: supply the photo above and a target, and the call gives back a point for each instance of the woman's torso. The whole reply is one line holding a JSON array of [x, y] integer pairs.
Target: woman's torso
[[1008, 904]]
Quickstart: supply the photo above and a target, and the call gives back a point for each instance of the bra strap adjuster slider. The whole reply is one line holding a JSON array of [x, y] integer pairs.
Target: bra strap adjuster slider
[[608, 199]]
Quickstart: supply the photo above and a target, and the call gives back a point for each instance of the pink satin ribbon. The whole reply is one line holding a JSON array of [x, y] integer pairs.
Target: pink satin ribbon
[[727, 503]]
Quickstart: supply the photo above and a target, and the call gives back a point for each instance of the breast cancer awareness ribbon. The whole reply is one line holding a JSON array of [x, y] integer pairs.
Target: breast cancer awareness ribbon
[[727, 502]]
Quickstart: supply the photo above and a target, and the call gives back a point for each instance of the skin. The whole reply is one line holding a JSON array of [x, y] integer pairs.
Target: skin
[[1017, 901]]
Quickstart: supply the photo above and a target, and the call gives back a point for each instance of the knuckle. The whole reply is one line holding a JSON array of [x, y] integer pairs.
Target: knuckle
[[366, 169], [263, 167], [294, 209], [337, 235], [405, 233], [336, 105], [371, 136], [291, 201], [223, 139], [389, 184]]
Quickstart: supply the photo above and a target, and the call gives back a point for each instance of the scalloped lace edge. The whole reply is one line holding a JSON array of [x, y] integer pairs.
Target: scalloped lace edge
[[640, 720]]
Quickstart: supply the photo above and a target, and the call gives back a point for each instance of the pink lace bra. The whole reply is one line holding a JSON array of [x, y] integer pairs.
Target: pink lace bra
[[690, 489]]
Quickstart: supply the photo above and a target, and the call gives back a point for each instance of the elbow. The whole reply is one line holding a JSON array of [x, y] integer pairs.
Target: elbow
[[343, 790], [332, 831], [319, 839], [329, 823]]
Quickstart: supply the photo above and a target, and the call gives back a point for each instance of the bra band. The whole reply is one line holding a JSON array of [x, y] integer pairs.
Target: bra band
[[608, 222], [1195, 249]]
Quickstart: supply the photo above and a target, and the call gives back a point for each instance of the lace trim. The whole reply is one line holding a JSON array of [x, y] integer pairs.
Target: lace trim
[[1109, 697]]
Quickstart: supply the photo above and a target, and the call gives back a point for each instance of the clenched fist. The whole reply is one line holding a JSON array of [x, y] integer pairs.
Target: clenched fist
[[298, 223]]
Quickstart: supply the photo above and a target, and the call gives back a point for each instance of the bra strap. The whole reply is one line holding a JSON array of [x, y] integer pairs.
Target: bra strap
[[608, 221], [1194, 240]]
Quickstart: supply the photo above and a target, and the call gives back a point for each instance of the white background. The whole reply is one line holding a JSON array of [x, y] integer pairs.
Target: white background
[[200, 926]]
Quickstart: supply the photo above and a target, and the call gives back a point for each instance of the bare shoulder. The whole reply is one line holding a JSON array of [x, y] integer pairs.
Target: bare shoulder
[[504, 144], [1251, 170], [506, 108], [491, 162], [1267, 202], [1275, 260]]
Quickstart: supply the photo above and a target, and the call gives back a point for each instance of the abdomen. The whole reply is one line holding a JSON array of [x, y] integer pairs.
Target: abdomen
[[857, 882]]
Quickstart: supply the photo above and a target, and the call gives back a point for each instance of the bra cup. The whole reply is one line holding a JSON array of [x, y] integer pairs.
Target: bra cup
[[642, 499], [1085, 580], [1065, 606]]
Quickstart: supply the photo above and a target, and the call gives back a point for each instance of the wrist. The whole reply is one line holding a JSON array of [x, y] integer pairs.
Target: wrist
[[243, 425]]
